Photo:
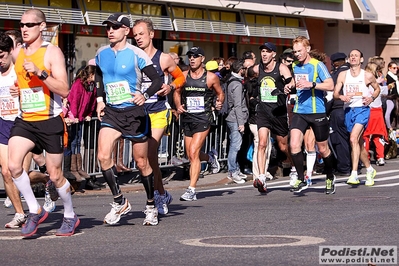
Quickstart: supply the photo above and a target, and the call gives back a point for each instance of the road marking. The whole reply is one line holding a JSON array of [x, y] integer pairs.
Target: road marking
[[47, 235], [302, 241]]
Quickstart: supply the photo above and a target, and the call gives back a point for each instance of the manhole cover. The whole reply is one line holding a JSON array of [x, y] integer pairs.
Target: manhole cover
[[253, 241]]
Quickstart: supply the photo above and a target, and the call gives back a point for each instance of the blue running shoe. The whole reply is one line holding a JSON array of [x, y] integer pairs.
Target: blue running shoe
[[32, 222], [68, 226]]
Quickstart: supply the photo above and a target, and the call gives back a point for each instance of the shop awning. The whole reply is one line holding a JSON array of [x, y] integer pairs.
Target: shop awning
[[96, 18], [209, 26], [367, 10], [54, 15]]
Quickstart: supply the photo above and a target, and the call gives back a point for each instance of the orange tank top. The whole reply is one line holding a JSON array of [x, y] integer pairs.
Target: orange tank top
[[37, 102]]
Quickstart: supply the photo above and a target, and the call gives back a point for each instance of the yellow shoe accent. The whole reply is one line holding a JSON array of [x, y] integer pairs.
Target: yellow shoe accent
[[370, 178], [353, 180]]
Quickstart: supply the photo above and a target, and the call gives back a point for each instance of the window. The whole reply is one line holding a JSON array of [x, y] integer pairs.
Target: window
[[361, 28]]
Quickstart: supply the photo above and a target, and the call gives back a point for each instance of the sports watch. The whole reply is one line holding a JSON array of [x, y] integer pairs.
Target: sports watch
[[43, 75]]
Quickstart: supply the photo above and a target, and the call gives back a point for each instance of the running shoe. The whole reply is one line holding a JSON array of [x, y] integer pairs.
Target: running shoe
[[117, 210], [299, 186], [293, 178], [189, 195], [214, 163], [151, 215], [260, 184], [49, 204], [330, 186], [242, 175], [7, 203], [380, 162], [162, 201], [370, 177], [308, 180], [353, 180], [52, 191], [16, 222], [269, 176], [32, 222], [68, 226]]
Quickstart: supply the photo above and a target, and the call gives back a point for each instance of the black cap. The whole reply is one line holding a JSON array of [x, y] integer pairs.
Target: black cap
[[337, 56], [118, 19], [269, 46], [196, 50]]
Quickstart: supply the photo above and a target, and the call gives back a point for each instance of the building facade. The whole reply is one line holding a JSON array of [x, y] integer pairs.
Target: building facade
[[223, 28]]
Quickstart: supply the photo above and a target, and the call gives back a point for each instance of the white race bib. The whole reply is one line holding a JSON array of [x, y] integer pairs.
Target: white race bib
[[32, 99], [302, 77], [118, 92], [195, 104]]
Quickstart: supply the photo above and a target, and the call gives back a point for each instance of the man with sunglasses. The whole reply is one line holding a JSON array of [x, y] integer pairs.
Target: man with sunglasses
[[42, 82], [194, 105], [120, 68], [272, 109], [157, 106]]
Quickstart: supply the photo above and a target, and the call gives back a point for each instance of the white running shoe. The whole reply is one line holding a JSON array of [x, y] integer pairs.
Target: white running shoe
[[49, 204], [189, 195], [293, 178], [214, 165], [151, 215], [7, 203], [116, 212], [16, 222]]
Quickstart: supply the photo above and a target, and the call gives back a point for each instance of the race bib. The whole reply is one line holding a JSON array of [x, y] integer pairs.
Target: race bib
[[9, 106], [195, 104], [266, 95], [353, 90], [118, 92], [32, 100], [299, 77]]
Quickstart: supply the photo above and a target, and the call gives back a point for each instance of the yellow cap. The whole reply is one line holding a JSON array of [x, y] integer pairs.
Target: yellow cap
[[211, 65]]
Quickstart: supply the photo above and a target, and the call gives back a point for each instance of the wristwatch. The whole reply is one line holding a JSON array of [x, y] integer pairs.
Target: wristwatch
[[313, 85], [146, 96], [43, 75]]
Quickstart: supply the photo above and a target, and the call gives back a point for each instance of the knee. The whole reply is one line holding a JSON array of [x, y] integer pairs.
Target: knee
[[142, 163], [103, 157], [15, 169], [5, 172]]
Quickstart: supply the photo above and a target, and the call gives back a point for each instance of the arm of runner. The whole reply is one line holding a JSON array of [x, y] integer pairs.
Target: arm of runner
[[214, 83], [338, 87]]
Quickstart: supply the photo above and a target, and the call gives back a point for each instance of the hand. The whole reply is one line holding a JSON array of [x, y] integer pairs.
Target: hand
[[181, 109], [287, 89], [218, 104], [88, 118], [367, 100], [14, 89], [345, 98], [76, 120], [165, 90], [138, 98], [30, 67], [304, 84], [68, 121], [241, 128], [100, 110]]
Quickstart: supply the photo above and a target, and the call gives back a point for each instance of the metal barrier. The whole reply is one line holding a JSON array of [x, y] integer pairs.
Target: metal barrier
[[170, 148]]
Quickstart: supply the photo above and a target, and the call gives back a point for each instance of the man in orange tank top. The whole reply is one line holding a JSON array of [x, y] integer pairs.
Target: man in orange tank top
[[41, 82]]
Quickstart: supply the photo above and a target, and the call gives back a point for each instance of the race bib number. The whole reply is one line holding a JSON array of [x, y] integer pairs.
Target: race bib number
[[9, 106], [266, 95], [32, 99], [118, 92], [353, 90], [195, 104], [299, 77]]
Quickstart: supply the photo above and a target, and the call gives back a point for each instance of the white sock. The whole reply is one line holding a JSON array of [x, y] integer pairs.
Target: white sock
[[370, 169], [66, 197], [310, 160], [192, 188], [354, 173], [293, 169], [23, 185]]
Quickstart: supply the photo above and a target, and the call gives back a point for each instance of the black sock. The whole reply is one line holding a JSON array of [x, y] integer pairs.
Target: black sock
[[148, 183], [297, 159], [112, 180], [119, 199], [329, 165]]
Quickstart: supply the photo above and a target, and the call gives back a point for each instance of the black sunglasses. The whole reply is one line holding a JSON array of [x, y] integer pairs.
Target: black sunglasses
[[114, 27], [29, 24], [193, 55], [289, 61]]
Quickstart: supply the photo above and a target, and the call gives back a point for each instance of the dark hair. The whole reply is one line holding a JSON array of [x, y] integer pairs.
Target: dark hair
[[17, 36], [248, 55], [237, 65], [251, 72], [84, 74], [6, 43]]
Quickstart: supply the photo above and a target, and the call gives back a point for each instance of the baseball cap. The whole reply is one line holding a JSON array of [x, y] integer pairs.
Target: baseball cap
[[118, 19], [337, 56], [196, 50], [269, 46], [288, 51], [211, 65]]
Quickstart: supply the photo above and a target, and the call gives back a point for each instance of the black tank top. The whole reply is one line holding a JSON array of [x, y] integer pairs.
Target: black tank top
[[155, 103], [269, 81], [197, 99]]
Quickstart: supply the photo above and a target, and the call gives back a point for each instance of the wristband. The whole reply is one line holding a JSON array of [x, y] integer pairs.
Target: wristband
[[372, 97], [100, 99]]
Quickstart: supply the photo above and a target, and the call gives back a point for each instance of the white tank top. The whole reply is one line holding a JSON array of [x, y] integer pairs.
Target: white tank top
[[9, 104], [355, 87]]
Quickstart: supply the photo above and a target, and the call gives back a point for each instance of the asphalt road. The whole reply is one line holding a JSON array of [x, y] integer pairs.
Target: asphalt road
[[227, 225]]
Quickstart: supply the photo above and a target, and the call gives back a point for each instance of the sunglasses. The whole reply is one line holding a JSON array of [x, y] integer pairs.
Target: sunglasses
[[394, 67], [193, 55], [114, 27], [29, 24], [289, 61]]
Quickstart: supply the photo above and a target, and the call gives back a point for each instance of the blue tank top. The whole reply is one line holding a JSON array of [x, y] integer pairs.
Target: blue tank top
[[155, 103]]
